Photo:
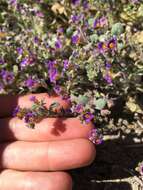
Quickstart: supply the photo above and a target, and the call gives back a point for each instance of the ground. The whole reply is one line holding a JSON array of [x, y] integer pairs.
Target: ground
[[116, 160]]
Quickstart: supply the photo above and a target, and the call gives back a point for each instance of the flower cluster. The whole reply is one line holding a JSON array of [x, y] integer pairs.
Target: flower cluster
[[95, 136], [33, 115], [86, 51], [39, 111]]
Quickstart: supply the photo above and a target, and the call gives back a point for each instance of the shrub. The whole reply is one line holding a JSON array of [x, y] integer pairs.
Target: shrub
[[88, 51]]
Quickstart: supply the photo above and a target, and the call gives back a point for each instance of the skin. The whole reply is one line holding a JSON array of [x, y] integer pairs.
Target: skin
[[31, 159]]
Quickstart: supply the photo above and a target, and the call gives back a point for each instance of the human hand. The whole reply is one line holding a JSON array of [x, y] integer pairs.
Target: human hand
[[34, 159]]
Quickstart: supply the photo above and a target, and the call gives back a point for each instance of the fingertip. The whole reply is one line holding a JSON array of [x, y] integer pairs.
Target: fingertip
[[75, 153], [63, 176], [89, 152]]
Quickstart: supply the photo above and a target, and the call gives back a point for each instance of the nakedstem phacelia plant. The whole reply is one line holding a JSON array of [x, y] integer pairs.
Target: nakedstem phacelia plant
[[89, 52], [39, 111]]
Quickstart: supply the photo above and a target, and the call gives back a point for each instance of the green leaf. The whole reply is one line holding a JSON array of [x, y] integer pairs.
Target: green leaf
[[100, 103], [54, 105], [15, 69], [91, 21], [102, 37], [121, 46], [34, 106], [117, 29], [91, 70], [69, 32], [94, 37], [52, 41], [83, 100]]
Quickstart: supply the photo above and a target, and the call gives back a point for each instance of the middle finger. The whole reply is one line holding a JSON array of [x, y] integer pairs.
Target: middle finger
[[46, 156]]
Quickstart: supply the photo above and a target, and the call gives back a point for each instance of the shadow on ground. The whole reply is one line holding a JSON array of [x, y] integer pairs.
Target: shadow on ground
[[116, 161], [117, 158]]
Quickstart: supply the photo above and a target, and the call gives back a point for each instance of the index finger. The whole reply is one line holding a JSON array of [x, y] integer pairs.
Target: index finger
[[9, 102]]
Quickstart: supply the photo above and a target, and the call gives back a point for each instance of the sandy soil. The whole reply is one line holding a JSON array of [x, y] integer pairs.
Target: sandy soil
[[117, 158]]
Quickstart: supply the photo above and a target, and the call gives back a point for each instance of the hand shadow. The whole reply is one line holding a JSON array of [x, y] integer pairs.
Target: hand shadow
[[59, 126]]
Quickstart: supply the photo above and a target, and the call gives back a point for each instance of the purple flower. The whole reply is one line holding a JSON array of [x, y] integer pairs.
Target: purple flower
[[87, 117], [60, 30], [96, 23], [51, 64], [75, 2], [85, 4], [19, 50], [99, 23], [30, 82], [58, 44], [57, 89], [75, 39], [8, 77], [12, 2], [53, 73], [95, 136], [102, 47], [108, 78], [24, 62], [15, 111], [112, 44], [75, 18], [108, 66], [103, 21], [36, 39], [2, 61], [66, 64], [39, 14], [32, 98], [29, 116], [78, 108], [27, 61]]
